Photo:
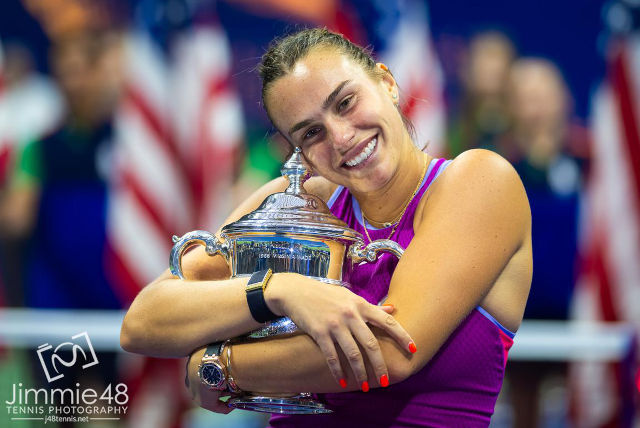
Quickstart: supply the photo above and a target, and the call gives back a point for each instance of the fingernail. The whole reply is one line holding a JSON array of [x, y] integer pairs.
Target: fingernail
[[412, 347], [343, 383], [365, 386], [388, 304], [384, 381]]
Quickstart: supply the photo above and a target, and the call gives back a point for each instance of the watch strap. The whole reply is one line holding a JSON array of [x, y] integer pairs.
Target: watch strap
[[255, 296], [213, 349]]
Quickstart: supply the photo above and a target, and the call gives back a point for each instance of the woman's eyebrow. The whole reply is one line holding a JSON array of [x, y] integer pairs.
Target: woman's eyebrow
[[325, 105], [334, 94]]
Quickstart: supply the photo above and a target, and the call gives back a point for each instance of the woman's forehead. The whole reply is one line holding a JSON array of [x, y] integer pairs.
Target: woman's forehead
[[311, 80], [322, 66]]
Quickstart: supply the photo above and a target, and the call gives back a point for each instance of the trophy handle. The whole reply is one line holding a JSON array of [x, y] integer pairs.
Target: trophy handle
[[211, 243], [359, 253]]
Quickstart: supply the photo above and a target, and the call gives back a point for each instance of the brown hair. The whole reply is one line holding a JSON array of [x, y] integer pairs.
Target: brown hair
[[285, 52]]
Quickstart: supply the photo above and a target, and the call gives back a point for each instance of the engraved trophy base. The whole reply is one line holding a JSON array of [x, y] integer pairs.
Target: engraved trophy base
[[301, 404]]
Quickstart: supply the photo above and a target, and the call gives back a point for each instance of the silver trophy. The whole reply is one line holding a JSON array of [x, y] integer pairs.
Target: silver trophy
[[292, 231]]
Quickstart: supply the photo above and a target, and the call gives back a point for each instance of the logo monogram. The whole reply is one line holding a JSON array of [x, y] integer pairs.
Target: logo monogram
[[77, 346]]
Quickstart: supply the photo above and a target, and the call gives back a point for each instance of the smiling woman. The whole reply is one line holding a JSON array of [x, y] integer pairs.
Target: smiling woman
[[435, 355]]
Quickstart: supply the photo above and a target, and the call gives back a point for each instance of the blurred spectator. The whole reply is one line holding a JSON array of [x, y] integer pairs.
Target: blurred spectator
[[549, 153], [62, 181], [63, 177], [482, 116], [30, 106]]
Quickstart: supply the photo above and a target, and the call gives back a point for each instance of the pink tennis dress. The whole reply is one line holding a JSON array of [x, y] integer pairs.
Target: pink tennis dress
[[458, 387]]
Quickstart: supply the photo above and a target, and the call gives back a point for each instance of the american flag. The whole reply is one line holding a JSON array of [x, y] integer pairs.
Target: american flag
[[177, 129], [408, 51], [609, 288]]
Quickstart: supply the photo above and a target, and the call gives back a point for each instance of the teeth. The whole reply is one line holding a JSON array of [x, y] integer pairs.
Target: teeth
[[365, 153]]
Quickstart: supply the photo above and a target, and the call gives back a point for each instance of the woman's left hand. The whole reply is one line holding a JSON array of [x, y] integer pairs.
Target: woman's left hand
[[201, 394], [332, 315]]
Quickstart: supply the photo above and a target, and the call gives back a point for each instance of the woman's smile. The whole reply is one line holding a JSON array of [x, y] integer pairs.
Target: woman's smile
[[359, 157]]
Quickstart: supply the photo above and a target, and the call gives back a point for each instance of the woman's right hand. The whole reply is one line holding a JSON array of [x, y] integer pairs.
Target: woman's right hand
[[332, 314]]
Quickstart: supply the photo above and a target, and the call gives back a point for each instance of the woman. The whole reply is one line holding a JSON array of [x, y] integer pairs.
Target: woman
[[457, 292]]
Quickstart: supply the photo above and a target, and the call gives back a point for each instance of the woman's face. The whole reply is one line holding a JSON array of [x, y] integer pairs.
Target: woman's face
[[345, 120]]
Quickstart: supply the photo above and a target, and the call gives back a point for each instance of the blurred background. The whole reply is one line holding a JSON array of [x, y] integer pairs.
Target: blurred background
[[125, 122]]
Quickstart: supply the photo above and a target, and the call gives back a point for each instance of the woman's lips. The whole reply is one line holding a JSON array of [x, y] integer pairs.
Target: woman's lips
[[364, 154]]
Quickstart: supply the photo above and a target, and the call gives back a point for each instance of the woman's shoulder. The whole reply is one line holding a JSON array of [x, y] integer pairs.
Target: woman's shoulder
[[481, 168], [486, 161], [480, 179]]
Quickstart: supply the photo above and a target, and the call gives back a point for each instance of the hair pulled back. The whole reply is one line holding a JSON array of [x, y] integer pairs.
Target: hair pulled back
[[285, 52]]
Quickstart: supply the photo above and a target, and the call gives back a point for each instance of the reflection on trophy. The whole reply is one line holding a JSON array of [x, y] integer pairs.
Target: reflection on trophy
[[292, 231]]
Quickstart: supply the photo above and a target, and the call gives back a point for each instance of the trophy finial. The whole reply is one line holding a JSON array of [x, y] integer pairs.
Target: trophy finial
[[296, 172]]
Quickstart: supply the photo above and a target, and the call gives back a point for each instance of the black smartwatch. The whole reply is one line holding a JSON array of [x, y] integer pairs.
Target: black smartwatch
[[255, 296]]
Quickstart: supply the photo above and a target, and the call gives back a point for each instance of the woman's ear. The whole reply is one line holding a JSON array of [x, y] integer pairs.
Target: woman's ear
[[388, 82]]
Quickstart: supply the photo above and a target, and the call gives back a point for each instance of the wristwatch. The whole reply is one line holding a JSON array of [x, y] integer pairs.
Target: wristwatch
[[255, 296], [211, 371]]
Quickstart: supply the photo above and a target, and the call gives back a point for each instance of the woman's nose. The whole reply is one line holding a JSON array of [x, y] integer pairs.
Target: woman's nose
[[342, 135]]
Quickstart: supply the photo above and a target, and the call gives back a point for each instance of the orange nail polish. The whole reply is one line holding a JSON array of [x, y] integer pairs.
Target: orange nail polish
[[388, 304], [365, 386], [412, 348], [384, 381], [343, 383]]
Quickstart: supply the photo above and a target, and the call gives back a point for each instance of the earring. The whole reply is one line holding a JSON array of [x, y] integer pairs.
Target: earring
[[394, 96]]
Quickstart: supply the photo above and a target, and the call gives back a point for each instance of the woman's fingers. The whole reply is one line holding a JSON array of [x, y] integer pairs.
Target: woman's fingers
[[369, 343], [380, 317], [328, 348], [354, 356], [388, 308], [210, 399], [215, 405]]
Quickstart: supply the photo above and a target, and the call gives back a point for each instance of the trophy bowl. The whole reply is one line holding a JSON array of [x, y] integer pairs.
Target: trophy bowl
[[292, 231]]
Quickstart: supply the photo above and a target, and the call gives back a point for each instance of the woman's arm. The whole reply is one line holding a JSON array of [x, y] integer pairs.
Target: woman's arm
[[476, 220], [171, 317], [296, 364]]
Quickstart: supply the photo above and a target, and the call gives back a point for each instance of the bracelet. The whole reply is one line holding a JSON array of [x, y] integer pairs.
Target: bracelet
[[255, 296], [232, 386]]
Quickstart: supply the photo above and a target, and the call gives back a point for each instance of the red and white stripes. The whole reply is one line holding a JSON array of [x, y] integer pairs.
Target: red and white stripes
[[176, 131], [412, 58], [609, 289]]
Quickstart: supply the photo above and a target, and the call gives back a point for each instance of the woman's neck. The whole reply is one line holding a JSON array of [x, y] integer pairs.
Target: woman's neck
[[387, 204]]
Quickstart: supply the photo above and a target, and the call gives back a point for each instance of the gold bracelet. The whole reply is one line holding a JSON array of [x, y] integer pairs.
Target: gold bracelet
[[231, 383]]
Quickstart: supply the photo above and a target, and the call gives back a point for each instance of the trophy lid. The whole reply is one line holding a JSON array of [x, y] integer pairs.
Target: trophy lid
[[294, 210]]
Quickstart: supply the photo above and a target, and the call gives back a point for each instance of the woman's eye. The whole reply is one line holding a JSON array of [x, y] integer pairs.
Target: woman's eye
[[311, 133], [344, 103]]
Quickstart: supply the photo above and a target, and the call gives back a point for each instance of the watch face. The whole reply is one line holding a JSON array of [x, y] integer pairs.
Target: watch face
[[212, 375]]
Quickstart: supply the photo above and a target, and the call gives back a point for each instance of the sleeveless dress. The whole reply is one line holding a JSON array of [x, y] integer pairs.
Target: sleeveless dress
[[458, 387]]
